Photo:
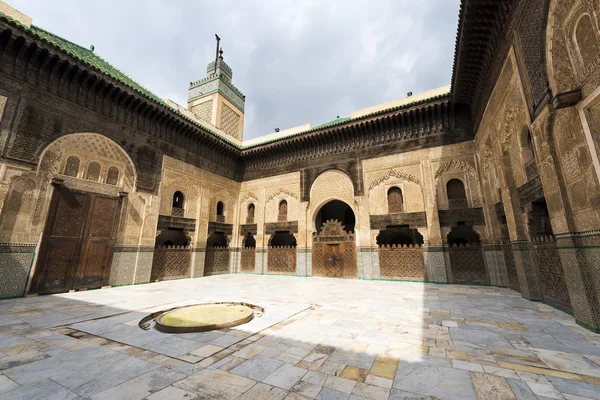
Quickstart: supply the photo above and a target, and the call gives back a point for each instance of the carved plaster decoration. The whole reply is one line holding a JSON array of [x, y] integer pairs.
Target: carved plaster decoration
[[396, 174], [282, 191], [248, 196], [456, 164]]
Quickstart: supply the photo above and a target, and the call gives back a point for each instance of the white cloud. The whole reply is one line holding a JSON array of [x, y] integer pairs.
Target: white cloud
[[296, 61]]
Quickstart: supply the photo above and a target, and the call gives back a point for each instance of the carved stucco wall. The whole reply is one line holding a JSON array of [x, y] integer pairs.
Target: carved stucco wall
[[265, 194], [202, 191], [25, 195], [462, 168], [573, 38], [499, 148], [422, 175], [408, 178]]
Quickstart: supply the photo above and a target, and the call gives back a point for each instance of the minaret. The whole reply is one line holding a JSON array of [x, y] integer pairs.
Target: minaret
[[215, 100]]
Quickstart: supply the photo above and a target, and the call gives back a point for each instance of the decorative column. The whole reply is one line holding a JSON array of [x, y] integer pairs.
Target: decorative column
[[436, 258], [527, 271]]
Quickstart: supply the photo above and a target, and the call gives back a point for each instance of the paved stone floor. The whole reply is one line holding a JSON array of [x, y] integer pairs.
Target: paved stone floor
[[319, 338]]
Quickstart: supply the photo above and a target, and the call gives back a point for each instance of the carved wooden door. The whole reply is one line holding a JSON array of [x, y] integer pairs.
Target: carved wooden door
[[333, 260], [76, 245], [97, 243], [61, 242]]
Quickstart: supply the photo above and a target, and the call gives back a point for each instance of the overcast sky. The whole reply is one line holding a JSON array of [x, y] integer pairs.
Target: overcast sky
[[297, 62]]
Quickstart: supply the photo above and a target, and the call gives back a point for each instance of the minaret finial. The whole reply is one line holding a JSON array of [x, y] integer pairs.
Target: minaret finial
[[217, 52]]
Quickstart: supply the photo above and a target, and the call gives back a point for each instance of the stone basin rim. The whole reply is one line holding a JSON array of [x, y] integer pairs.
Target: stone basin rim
[[166, 328]]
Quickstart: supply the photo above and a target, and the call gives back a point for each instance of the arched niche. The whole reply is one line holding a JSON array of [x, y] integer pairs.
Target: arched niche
[[71, 156], [395, 200], [58, 160], [336, 210]]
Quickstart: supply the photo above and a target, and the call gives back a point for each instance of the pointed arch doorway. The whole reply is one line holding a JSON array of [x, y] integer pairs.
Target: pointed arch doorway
[[334, 245]]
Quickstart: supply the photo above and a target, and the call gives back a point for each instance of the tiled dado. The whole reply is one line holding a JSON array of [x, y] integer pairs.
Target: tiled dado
[[15, 266], [435, 264], [496, 266], [527, 271], [130, 264], [367, 259], [303, 258], [580, 257]]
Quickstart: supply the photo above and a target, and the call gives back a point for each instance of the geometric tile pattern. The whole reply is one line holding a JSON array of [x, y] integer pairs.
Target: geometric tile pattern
[[144, 267], [435, 262], [14, 272], [122, 268]]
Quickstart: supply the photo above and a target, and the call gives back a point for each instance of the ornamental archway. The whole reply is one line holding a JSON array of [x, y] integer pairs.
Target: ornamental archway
[[334, 245]]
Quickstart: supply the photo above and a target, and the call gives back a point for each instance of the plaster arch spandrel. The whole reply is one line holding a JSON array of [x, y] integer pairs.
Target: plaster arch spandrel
[[332, 184], [392, 173], [89, 146], [452, 169], [281, 194]]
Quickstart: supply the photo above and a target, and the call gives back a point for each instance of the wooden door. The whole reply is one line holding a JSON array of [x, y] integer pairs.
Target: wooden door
[[76, 248], [333, 260], [61, 242], [97, 242]]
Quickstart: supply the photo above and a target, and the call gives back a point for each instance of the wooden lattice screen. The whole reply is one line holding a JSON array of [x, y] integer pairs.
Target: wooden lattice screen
[[216, 261], [402, 262], [281, 260], [248, 259], [467, 264], [170, 262]]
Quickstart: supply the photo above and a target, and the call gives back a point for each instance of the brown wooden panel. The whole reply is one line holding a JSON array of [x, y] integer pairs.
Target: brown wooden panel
[[68, 214], [333, 260], [248, 259], [216, 261], [468, 265], [61, 241], [100, 232], [58, 266], [170, 263], [281, 260], [401, 262], [102, 217], [95, 263]]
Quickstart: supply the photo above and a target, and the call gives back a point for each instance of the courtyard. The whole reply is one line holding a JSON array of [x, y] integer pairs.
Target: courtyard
[[318, 338]]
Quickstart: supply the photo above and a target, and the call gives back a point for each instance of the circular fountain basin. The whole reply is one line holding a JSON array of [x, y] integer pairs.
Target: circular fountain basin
[[204, 317]]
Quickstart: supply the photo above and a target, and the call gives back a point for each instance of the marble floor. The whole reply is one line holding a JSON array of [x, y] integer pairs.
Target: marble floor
[[318, 338]]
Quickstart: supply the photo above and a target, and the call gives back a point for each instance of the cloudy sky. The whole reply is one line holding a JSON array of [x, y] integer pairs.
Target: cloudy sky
[[297, 62]]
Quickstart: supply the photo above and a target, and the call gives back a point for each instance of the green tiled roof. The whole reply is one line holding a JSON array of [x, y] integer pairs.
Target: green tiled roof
[[85, 55], [336, 121], [341, 121], [94, 60]]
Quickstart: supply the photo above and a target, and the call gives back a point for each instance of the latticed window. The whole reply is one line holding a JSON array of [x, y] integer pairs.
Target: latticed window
[[250, 215], [178, 209], [93, 171], [112, 177], [72, 166], [395, 200], [283, 210], [220, 212], [457, 197]]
